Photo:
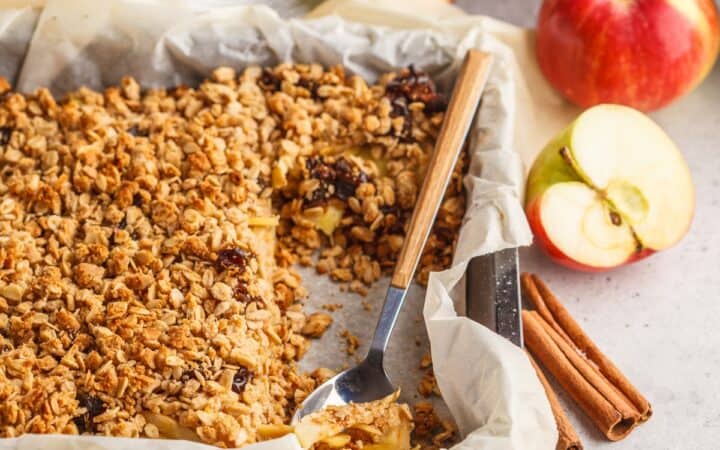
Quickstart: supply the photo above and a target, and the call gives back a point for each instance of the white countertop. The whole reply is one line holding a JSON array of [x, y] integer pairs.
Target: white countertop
[[658, 319]]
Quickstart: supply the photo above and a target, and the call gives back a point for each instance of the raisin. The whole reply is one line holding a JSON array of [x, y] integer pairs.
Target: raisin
[[309, 85], [231, 258], [240, 379], [136, 131], [416, 86], [123, 223], [241, 294], [137, 200], [436, 105], [187, 376], [93, 407], [342, 175], [390, 209], [269, 81], [346, 179], [5, 134], [400, 109]]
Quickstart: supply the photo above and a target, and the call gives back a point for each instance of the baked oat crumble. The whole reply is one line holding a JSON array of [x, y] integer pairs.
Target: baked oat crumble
[[430, 432], [147, 239], [316, 324], [352, 342]]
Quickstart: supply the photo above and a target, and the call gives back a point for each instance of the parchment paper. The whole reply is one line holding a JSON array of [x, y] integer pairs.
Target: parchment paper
[[487, 383]]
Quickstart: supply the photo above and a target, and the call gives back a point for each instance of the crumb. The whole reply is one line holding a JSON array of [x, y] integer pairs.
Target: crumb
[[316, 325], [447, 434], [359, 288], [430, 432], [426, 421], [322, 374], [428, 385], [351, 341]]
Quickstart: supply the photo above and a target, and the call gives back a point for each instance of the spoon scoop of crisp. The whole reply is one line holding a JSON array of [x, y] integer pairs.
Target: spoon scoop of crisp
[[368, 380]]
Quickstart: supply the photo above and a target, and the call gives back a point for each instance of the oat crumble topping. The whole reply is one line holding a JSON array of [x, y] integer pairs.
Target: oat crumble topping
[[147, 239], [430, 432]]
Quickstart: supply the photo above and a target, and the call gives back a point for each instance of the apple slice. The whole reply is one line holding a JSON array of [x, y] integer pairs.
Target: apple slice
[[610, 189]]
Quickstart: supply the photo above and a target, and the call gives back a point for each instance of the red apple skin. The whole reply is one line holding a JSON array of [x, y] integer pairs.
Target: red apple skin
[[640, 53], [543, 241]]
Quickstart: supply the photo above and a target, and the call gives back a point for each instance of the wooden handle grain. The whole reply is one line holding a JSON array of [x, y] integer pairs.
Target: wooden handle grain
[[459, 115]]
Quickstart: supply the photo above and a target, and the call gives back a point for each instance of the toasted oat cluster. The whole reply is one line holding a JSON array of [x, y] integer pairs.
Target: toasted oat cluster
[[146, 240]]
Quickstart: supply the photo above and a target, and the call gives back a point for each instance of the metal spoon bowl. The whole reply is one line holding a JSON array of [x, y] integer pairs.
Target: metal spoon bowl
[[363, 383]]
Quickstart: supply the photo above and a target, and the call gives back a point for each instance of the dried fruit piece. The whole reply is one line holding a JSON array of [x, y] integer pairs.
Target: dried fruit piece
[[5, 134], [232, 258], [137, 132], [93, 407], [339, 178], [241, 294], [310, 85], [269, 81], [241, 379], [414, 86]]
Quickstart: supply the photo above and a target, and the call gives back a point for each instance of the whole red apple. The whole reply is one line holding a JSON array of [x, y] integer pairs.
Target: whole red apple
[[640, 53]]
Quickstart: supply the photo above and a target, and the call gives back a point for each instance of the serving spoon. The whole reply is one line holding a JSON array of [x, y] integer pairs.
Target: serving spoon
[[368, 381]]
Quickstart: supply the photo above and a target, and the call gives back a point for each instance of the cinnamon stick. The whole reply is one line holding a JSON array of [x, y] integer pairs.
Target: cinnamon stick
[[555, 312], [567, 437], [591, 379]]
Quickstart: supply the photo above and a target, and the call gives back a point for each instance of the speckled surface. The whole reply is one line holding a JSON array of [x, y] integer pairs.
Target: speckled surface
[[658, 319]]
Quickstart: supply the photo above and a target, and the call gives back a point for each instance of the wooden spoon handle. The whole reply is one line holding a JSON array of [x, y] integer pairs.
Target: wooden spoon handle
[[458, 117]]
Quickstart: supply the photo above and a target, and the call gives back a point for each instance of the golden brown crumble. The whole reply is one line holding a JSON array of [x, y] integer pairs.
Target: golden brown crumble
[[316, 324], [427, 385], [425, 361], [332, 307], [430, 432], [352, 342], [147, 238]]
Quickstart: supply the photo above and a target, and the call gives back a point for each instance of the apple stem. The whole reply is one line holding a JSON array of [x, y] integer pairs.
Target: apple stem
[[565, 155]]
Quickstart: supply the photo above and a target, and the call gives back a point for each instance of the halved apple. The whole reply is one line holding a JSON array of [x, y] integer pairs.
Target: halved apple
[[610, 189]]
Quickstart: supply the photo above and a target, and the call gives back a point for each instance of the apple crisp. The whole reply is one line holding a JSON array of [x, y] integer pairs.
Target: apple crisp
[[147, 238]]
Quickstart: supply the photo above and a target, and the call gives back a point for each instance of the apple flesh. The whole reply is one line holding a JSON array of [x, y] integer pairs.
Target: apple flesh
[[640, 53], [610, 189]]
